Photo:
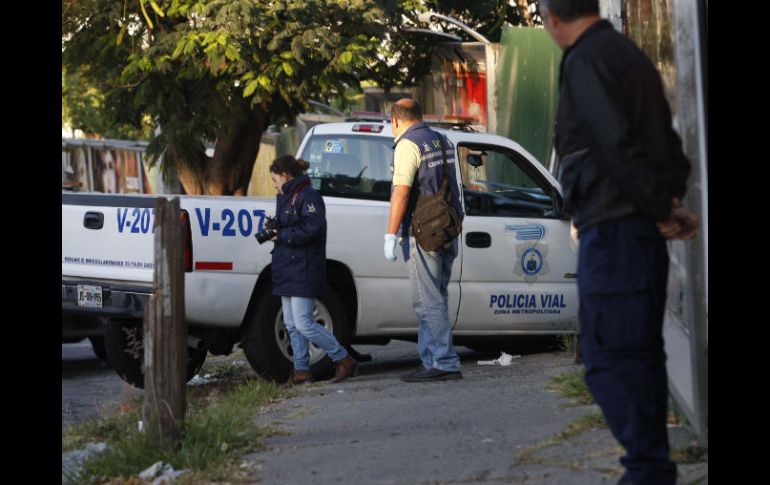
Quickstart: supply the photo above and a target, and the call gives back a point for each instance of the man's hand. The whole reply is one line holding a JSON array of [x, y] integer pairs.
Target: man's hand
[[682, 224], [390, 247]]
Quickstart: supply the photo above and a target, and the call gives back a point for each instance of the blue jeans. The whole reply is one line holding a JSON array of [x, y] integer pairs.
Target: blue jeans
[[429, 273], [298, 318], [622, 274]]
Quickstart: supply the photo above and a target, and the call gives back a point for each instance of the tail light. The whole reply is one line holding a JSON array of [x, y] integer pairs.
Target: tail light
[[184, 216]]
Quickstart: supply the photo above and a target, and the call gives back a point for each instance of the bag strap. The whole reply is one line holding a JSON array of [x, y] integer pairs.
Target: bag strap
[[443, 155]]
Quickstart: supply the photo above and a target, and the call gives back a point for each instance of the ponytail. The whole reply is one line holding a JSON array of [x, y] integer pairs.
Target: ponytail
[[289, 164]]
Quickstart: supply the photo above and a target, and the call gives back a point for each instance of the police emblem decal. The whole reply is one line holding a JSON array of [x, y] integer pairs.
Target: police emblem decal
[[311, 208], [531, 261]]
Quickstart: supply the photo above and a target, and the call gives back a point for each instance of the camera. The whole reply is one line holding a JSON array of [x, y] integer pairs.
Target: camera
[[269, 230]]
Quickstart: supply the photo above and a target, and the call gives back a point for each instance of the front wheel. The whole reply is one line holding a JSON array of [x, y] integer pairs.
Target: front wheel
[[124, 343], [266, 343]]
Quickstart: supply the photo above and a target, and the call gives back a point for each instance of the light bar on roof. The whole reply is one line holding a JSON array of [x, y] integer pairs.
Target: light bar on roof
[[368, 127], [450, 119]]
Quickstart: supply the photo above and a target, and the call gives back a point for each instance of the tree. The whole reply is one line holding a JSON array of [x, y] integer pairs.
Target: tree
[[84, 109], [487, 16], [221, 71]]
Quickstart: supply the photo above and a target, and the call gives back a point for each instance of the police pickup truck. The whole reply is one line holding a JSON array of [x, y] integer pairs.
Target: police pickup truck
[[514, 275]]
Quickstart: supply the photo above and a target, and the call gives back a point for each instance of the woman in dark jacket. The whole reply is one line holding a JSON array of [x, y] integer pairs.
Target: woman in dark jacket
[[299, 267]]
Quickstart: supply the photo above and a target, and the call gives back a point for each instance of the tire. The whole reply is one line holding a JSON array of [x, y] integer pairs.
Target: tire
[[97, 343], [266, 342], [125, 352]]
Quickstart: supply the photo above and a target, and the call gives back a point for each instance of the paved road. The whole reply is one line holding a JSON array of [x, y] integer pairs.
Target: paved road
[[374, 429], [88, 384]]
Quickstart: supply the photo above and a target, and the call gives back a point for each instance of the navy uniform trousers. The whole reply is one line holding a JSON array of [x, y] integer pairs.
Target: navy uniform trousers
[[622, 278]]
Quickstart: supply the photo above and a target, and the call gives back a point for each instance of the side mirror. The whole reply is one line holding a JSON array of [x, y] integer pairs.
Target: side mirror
[[475, 161]]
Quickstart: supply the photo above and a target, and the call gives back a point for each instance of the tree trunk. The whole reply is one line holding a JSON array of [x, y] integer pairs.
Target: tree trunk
[[229, 170], [192, 182]]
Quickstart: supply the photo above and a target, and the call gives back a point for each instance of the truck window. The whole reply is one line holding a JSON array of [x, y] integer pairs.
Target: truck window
[[499, 182], [350, 166]]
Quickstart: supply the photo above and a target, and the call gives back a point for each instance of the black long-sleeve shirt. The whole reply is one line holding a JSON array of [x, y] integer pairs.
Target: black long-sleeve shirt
[[619, 154]]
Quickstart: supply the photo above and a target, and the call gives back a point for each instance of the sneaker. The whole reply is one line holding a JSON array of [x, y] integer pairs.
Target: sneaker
[[427, 375]]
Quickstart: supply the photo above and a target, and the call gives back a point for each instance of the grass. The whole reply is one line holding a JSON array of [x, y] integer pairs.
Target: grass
[[567, 342], [575, 428], [572, 385], [219, 428], [231, 369], [581, 425], [104, 428], [690, 454]]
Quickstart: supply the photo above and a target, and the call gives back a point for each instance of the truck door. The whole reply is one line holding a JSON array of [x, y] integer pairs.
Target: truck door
[[518, 260]]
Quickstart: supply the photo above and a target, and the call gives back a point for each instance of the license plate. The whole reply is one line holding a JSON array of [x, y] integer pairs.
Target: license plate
[[90, 296]]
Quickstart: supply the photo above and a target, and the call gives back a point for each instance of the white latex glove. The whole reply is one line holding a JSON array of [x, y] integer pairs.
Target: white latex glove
[[390, 247]]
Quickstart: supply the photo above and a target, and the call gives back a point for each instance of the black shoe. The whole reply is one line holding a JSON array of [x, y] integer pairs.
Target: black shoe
[[428, 375], [357, 356], [413, 372]]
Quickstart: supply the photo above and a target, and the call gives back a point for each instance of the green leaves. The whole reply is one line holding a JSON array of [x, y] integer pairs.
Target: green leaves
[[250, 87], [144, 12], [186, 45], [264, 81], [157, 9], [121, 34], [232, 53], [188, 65]]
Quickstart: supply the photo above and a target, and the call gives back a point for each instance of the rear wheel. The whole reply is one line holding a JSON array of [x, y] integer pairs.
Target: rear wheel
[[124, 344], [266, 341], [97, 343]]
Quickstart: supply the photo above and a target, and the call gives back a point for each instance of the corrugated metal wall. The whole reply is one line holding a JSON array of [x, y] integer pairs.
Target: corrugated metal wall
[[527, 88]]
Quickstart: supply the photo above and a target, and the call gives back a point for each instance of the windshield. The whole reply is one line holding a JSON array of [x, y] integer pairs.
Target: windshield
[[350, 166]]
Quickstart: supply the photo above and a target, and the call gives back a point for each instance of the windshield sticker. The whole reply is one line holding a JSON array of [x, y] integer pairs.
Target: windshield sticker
[[333, 146]]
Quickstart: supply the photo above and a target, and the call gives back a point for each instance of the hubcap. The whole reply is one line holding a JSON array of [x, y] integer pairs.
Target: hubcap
[[321, 315]]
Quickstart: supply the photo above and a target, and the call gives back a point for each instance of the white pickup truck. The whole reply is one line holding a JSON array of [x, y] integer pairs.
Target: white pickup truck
[[514, 275]]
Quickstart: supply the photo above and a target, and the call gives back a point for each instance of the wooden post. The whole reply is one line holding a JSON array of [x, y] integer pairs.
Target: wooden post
[[165, 331]]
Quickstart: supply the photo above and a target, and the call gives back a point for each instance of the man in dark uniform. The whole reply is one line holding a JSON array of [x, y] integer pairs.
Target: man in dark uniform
[[623, 173]]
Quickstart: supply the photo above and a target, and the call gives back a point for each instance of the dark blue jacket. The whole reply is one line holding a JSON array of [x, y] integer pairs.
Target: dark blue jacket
[[619, 154], [299, 256]]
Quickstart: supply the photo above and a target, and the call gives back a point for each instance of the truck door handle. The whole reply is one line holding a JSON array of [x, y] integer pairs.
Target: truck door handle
[[478, 240], [93, 220]]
